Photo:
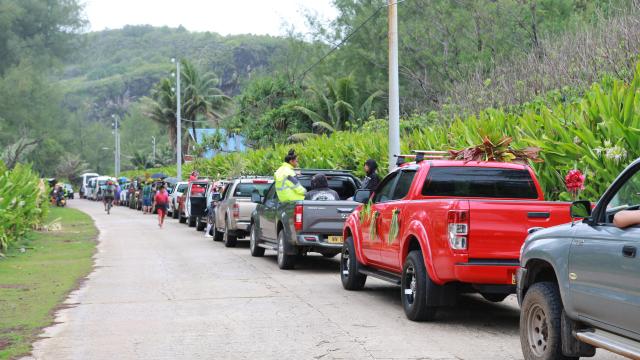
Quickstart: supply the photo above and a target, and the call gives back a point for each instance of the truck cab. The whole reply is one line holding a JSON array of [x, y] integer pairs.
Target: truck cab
[[580, 281]]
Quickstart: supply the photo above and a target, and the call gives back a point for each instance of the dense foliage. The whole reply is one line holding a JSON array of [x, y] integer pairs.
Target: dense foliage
[[23, 203], [597, 133]]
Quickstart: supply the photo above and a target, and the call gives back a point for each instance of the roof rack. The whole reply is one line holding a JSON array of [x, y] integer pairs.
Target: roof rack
[[420, 155]]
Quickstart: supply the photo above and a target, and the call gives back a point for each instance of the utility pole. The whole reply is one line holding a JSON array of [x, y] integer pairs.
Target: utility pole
[[394, 87], [153, 140], [117, 146], [178, 122]]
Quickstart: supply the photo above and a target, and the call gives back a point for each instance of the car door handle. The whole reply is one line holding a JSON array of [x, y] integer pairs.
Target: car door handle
[[629, 251]]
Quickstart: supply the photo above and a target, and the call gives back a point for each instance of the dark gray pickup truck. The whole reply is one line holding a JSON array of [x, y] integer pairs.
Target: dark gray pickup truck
[[579, 283], [295, 228]]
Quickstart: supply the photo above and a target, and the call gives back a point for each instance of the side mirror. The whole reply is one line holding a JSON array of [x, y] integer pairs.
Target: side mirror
[[362, 196], [256, 198], [580, 209], [216, 197]]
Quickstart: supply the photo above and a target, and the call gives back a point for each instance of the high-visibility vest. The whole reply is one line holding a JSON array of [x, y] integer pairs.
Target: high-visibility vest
[[287, 185]]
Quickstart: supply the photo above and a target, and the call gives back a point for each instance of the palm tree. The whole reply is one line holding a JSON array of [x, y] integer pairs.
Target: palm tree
[[201, 101], [340, 107], [140, 160]]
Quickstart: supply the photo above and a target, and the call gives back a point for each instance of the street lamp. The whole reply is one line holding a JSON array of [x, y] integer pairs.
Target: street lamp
[[178, 124], [116, 118]]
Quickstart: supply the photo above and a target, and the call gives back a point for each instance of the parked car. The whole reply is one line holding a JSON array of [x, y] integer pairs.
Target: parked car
[[177, 191], [579, 283], [85, 182], [68, 191], [194, 202], [440, 227], [233, 211], [101, 182], [299, 227]]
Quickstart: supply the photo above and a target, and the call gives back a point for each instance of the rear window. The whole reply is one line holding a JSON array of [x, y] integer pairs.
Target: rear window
[[244, 190], [344, 186], [479, 182], [182, 188]]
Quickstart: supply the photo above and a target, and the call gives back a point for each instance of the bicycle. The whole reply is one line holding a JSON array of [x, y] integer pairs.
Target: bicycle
[[109, 205]]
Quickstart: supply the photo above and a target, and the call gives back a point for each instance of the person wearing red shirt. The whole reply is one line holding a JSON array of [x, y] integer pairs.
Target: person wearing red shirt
[[161, 200]]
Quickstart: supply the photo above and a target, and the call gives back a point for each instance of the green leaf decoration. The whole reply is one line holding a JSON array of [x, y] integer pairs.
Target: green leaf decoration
[[365, 212], [373, 225], [394, 229]]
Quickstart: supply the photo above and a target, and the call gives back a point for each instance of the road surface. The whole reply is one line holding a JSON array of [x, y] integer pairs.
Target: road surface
[[172, 294]]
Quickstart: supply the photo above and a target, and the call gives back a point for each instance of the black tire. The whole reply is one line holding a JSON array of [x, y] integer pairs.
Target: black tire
[[350, 275], [254, 248], [200, 225], [229, 239], [285, 261], [191, 221], [175, 213], [496, 298], [182, 219], [540, 319], [416, 288]]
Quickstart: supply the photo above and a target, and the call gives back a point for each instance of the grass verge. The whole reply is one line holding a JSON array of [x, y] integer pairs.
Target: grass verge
[[34, 282]]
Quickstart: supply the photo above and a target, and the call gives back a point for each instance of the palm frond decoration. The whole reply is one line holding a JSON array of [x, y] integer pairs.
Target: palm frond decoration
[[373, 225], [365, 212], [394, 228]]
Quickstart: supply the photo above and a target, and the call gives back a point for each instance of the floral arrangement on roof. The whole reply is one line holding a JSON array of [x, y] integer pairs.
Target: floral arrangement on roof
[[497, 149]]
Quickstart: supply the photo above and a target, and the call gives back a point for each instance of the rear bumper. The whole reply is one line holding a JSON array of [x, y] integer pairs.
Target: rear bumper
[[240, 225], [495, 274], [316, 241]]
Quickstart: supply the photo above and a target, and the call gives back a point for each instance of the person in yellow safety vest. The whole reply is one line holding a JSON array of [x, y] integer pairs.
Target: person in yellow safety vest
[[287, 185]]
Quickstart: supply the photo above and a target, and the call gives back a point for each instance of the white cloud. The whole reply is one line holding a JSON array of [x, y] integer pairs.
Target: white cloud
[[221, 16]]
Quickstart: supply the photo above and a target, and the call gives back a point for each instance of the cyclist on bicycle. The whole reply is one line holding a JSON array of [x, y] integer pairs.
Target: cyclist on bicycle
[[109, 195]]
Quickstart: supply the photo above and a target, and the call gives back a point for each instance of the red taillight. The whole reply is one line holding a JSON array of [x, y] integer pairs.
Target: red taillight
[[458, 229], [297, 217], [236, 211]]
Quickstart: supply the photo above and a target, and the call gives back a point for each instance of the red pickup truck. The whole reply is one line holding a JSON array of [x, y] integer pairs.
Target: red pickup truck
[[439, 228]]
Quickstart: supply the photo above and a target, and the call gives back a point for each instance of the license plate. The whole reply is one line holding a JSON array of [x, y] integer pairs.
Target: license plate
[[335, 240]]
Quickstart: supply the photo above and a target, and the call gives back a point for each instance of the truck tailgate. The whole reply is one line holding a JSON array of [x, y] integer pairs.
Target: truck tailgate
[[246, 207], [325, 217], [497, 228]]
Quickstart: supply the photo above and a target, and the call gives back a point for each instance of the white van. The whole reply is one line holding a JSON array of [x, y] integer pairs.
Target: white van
[[85, 181], [91, 188], [101, 181]]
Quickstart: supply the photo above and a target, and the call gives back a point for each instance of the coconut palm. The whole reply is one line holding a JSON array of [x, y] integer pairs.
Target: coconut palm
[[340, 106], [201, 101]]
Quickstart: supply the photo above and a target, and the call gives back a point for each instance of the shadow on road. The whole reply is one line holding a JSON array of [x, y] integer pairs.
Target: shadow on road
[[471, 310], [312, 263]]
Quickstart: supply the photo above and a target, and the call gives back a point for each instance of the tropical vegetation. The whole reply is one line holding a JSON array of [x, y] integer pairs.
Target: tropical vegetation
[[23, 203]]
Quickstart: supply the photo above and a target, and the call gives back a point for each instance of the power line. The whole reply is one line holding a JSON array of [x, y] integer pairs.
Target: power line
[[326, 55]]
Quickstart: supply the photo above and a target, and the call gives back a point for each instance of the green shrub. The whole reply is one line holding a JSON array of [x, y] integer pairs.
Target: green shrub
[[23, 203]]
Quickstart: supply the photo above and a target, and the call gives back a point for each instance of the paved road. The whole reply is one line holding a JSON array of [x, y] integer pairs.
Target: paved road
[[172, 294]]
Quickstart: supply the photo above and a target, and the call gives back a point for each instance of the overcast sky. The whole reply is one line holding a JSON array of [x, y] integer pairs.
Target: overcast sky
[[221, 16]]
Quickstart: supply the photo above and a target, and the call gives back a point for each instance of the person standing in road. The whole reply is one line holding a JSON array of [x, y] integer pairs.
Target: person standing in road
[[147, 195], [320, 189], [210, 212], [372, 179], [160, 202], [287, 185]]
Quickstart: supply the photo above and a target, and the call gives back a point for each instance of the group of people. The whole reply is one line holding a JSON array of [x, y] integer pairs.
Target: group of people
[[288, 186]]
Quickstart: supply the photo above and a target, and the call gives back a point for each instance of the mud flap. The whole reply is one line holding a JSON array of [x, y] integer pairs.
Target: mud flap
[[570, 345]]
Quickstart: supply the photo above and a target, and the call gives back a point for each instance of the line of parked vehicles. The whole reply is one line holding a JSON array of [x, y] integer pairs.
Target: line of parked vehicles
[[439, 228]]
